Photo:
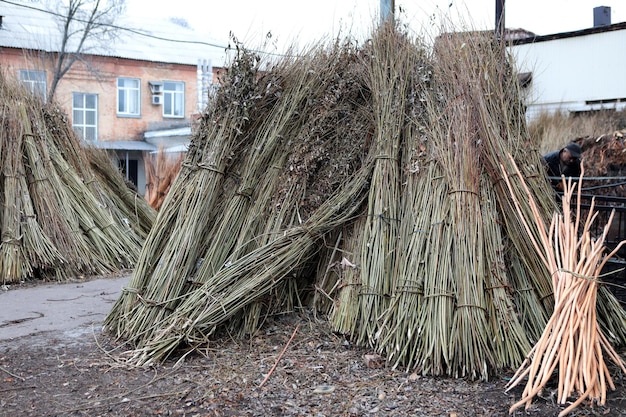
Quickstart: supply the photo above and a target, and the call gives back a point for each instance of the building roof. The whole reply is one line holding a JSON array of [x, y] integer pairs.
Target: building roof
[[27, 25], [572, 34], [125, 145]]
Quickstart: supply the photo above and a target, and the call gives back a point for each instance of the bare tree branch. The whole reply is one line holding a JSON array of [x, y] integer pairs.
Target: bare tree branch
[[84, 24]]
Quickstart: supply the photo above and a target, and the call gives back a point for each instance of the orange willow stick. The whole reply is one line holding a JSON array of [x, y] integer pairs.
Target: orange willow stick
[[280, 356]]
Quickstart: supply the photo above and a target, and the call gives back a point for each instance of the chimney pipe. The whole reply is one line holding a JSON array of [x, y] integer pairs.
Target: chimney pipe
[[601, 16]]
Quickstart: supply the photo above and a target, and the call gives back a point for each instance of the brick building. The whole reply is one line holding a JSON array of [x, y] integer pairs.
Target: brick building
[[140, 92]]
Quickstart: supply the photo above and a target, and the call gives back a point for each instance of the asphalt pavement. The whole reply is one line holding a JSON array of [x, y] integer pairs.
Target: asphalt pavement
[[70, 309]]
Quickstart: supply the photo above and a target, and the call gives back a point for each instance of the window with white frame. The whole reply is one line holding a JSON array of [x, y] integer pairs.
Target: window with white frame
[[173, 99], [128, 97], [85, 116], [35, 81]]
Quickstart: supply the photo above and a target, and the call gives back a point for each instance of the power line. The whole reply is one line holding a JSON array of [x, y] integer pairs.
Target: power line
[[140, 33]]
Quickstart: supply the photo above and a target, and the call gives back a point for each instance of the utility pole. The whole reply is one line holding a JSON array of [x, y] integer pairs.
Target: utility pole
[[500, 27], [387, 8]]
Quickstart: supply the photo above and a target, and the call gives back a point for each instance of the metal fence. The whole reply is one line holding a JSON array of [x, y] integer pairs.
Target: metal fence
[[599, 188]]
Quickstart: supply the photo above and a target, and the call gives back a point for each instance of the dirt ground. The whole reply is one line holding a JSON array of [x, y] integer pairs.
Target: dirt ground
[[294, 366]]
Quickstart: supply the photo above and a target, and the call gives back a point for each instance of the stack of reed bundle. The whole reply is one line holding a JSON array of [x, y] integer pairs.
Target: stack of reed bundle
[[365, 182], [286, 133], [58, 221]]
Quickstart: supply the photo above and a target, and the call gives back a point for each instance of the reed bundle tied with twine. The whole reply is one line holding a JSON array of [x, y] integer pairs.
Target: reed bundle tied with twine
[[393, 66], [572, 340], [265, 183]]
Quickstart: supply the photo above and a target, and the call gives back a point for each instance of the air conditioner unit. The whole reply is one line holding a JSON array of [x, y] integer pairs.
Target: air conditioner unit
[[157, 100], [156, 87]]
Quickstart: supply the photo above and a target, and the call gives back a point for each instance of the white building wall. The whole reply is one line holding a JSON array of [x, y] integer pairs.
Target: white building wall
[[569, 72]]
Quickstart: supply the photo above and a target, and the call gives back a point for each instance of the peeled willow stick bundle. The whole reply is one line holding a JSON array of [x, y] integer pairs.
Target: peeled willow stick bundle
[[572, 339], [161, 170]]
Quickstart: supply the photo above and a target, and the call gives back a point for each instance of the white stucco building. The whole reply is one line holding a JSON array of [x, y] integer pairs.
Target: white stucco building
[[574, 72]]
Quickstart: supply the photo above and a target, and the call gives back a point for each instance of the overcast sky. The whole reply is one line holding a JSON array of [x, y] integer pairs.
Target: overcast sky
[[314, 20]]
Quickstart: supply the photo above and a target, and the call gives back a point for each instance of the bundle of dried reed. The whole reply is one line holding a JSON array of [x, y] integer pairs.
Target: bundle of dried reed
[[267, 179], [175, 245], [254, 275], [394, 59]]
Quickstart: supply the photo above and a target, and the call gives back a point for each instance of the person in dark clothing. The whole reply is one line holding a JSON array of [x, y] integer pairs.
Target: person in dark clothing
[[565, 161]]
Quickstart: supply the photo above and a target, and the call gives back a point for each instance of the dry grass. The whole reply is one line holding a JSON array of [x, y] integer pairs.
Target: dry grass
[[553, 131]]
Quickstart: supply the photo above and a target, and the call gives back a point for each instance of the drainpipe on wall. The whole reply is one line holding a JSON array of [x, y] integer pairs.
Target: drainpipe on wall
[[127, 167]]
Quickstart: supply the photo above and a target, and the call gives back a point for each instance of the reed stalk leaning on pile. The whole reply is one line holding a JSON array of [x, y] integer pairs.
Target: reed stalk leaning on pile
[[572, 339]]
